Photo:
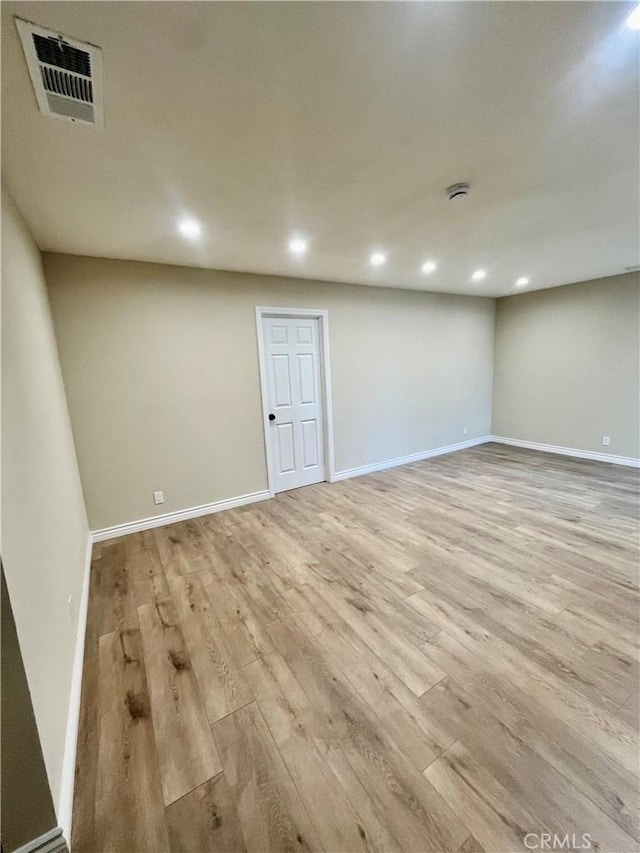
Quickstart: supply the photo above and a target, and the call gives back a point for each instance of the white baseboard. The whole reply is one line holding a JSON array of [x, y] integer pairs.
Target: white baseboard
[[51, 842], [611, 458], [67, 782], [405, 460], [179, 515]]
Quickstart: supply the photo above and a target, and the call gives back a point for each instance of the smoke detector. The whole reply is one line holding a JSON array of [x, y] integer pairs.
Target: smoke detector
[[66, 74], [458, 191]]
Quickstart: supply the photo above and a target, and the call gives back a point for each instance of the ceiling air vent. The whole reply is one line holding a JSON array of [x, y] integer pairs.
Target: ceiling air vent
[[457, 191], [66, 74]]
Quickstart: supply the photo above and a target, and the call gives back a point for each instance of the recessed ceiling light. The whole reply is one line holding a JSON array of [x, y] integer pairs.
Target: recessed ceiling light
[[298, 246], [190, 228], [633, 21], [429, 266], [377, 259], [523, 281], [479, 275]]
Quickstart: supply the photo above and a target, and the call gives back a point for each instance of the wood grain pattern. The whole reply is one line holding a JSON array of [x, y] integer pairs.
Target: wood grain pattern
[[297, 729], [128, 805], [205, 820], [439, 658], [271, 812], [498, 820], [186, 752], [223, 687], [414, 813], [471, 845]]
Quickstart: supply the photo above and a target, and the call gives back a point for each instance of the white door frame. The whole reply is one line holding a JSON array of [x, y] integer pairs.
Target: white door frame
[[322, 316]]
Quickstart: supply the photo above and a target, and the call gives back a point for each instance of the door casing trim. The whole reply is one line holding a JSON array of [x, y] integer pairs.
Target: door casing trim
[[322, 316]]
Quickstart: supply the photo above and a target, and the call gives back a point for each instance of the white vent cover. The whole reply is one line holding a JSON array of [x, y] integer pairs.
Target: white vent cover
[[66, 74], [457, 191]]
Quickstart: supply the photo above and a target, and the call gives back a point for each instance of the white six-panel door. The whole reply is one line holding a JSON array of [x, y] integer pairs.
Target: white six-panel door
[[295, 428]]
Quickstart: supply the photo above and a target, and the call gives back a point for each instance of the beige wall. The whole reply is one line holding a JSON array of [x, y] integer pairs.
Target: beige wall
[[44, 525], [161, 370], [567, 366]]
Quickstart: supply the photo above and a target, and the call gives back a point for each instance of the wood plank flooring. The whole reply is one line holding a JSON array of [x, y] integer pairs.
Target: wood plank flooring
[[439, 657]]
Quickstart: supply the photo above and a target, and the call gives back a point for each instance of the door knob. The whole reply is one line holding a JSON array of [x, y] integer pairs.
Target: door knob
[[272, 417]]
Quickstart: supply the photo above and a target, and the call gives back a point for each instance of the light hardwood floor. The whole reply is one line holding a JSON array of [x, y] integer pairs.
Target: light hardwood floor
[[440, 657]]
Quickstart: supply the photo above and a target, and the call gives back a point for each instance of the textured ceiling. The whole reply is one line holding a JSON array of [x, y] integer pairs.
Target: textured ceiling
[[344, 122]]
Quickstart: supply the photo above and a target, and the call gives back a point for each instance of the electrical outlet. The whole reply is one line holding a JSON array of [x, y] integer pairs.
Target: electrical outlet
[[465, 431], [158, 498], [72, 614], [606, 440]]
